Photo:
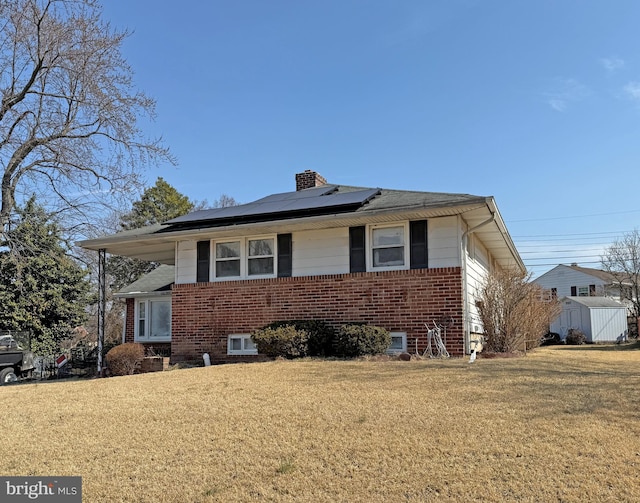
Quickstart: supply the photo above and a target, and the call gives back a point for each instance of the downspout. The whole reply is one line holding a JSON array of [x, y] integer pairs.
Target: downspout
[[465, 287]]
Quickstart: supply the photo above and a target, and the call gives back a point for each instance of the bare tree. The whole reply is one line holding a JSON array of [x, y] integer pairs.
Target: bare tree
[[622, 261], [515, 312], [69, 112]]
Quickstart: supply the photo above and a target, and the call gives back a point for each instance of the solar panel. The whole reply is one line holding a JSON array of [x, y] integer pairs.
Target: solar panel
[[279, 205]]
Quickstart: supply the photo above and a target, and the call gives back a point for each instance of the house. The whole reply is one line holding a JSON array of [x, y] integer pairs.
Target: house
[[575, 281], [601, 319], [397, 259]]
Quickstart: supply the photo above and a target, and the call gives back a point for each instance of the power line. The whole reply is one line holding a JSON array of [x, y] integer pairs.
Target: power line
[[574, 216]]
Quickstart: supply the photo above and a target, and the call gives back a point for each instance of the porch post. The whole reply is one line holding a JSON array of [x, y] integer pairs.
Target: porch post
[[102, 303]]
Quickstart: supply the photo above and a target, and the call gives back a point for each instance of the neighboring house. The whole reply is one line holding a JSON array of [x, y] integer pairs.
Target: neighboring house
[[574, 281], [397, 259], [600, 319]]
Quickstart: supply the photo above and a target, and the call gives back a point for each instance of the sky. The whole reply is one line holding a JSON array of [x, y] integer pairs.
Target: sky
[[534, 102]]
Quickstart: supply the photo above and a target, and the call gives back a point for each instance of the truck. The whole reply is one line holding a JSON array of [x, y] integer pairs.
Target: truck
[[15, 363]]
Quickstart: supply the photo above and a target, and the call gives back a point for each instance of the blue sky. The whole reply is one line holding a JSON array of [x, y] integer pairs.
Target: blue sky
[[536, 103]]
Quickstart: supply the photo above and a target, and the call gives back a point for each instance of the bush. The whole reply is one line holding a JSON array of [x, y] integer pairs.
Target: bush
[[320, 334], [361, 340], [551, 339], [576, 337], [286, 341], [125, 359]]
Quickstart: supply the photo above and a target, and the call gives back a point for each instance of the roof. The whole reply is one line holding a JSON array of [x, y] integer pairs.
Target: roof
[[320, 207], [598, 273], [596, 302], [156, 281], [606, 277]]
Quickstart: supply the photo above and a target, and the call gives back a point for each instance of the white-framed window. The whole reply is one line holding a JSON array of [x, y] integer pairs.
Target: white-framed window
[[388, 247], [583, 291], [398, 343], [241, 344], [242, 258], [260, 254], [227, 257], [153, 320]]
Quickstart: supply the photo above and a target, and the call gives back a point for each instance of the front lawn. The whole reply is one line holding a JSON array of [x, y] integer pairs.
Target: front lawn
[[560, 424]]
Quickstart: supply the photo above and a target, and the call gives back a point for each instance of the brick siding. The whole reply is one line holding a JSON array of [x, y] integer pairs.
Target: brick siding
[[130, 320], [204, 314]]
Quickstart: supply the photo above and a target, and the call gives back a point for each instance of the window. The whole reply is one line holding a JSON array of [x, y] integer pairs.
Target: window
[[583, 291], [398, 343], [260, 257], [153, 320], [250, 257], [554, 293], [228, 259], [388, 247], [241, 344]]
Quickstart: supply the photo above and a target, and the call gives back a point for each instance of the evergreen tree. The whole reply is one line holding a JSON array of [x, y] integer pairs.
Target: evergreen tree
[[157, 204], [42, 289]]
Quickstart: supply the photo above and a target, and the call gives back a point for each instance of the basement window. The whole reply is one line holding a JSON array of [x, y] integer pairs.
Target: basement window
[[398, 343], [241, 344]]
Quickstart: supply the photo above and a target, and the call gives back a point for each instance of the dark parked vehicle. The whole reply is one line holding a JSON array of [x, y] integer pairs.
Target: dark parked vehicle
[[15, 363]]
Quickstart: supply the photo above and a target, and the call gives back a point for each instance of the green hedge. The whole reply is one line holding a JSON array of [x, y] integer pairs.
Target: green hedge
[[285, 340], [320, 335], [360, 340]]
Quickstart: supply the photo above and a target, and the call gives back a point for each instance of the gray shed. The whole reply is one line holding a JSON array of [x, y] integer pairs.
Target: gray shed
[[601, 319]]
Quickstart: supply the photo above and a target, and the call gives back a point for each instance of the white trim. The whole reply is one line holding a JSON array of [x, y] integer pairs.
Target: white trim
[[148, 301], [246, 345], [369, 246], [403, 349]]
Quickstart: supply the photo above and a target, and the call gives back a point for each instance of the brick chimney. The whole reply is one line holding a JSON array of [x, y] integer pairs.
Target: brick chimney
[[309, 179]]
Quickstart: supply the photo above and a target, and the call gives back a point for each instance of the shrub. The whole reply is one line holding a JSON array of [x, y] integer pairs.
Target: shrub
[[125, 358], [360, 340], [286, 341], [321, 335], [551, 339], [576, 337]]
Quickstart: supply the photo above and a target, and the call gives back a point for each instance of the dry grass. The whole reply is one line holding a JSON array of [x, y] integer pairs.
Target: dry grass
[[561, 424]]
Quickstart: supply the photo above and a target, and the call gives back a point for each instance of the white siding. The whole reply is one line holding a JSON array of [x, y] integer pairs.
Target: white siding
[[320, 252], [563, 278], [326, 251], [186, 262], [478, 267], [443, 242], [608, 325]]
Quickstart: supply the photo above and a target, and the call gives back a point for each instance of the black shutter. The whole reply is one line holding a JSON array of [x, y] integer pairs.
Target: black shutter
[[357, 251], [574, 291], [418, 240], [285, 256], [202, 261]]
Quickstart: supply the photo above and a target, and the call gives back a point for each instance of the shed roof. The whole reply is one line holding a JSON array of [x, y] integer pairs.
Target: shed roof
[[596, 302]]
